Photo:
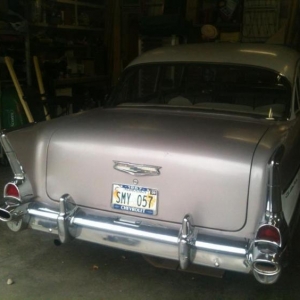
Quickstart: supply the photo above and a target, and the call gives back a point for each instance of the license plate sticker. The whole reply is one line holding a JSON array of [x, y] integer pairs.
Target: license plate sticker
[[136, 199]]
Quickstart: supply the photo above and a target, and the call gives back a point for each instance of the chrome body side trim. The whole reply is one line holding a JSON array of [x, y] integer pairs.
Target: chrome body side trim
[[16, 167], [265, 256], [274, 189], [274, 214]]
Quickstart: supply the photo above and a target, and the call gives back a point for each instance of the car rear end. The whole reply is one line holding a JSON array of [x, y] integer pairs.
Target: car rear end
[[167, 171], [187, 202]]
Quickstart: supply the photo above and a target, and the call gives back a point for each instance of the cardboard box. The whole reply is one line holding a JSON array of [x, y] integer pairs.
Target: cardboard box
[[89, 67], [230, 36]]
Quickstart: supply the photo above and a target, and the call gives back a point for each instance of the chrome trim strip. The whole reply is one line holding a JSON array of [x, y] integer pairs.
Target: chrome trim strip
[[274, 188], [125, 230], [274, 214], [154, 236], [39, 212], [136, 169], [221, 248], [12, 158]]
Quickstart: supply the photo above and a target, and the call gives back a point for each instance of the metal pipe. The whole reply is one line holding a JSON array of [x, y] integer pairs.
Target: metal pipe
[[7, 209], [266, 262]]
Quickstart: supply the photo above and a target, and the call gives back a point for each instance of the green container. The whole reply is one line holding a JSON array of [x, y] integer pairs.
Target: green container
[[12, 112]]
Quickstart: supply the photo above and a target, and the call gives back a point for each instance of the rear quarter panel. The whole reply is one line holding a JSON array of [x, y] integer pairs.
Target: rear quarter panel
[[282, 133], [31, 145]]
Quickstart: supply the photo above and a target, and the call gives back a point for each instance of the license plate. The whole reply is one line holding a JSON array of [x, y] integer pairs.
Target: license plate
[[133, 198]]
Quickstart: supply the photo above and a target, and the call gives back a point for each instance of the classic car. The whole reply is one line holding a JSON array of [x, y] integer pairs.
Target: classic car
[[193, 159]]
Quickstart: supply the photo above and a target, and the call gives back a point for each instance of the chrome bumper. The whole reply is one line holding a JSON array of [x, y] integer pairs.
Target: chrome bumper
[[184, 245]]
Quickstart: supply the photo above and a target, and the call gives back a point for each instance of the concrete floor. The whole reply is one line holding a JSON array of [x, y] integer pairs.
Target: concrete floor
[[79, 270]]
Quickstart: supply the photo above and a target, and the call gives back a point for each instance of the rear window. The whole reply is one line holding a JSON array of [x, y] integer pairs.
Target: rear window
[[230, 88]]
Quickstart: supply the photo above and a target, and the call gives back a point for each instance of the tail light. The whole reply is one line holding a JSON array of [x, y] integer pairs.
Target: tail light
[[269, 233], [11, 190]]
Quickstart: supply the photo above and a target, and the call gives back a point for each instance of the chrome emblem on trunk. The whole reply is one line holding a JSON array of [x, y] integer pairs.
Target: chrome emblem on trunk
[[136, 170]]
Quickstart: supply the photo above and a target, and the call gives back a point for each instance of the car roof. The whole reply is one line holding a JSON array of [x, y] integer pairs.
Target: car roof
[[276, 57]]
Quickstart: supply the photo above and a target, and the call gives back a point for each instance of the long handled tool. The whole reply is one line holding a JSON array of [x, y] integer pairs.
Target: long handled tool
[[17, 85], [41, 85]]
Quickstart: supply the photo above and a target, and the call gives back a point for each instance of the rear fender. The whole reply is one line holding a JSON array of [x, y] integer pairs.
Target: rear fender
[[13, 207]]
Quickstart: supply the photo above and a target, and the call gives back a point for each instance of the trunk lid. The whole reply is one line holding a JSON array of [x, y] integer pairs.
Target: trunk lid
[[205, 162]]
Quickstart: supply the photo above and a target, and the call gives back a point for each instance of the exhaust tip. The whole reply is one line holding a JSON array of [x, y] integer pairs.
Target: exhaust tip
[[5, 215], [266, 272], [265, 267]]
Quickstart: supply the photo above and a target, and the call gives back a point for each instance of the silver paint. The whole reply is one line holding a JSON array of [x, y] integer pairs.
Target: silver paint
[[215, 163], [275, 57]]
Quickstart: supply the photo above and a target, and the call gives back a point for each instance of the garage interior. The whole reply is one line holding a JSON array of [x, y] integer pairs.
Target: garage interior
[[69, 54]]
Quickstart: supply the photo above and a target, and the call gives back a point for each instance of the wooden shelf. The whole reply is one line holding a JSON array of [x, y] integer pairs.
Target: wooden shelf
[[5, 81], [62, 46], [79, 80], [80, 3], [62, 23], [10, 32], [261, 8], [70, 27], [148, 3]]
